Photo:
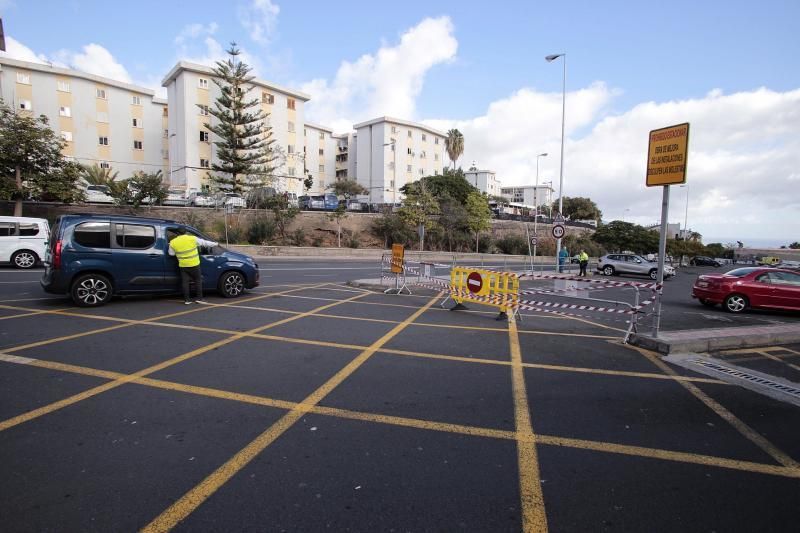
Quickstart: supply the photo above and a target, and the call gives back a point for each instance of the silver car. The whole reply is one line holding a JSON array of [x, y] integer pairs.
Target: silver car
[[631, 264]]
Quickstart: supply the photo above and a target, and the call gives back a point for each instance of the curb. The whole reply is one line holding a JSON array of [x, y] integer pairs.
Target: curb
[[705, 340]]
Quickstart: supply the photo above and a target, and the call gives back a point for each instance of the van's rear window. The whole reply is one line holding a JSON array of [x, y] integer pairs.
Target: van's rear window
[[93, 234], [28, 229]]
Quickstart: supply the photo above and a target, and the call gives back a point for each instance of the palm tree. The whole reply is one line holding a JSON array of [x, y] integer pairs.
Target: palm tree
[[94, 175], [454, 144]]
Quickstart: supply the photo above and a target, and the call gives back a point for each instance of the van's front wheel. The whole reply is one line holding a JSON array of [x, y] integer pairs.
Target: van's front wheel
[[24, 259], [91, 290], [231, 284]]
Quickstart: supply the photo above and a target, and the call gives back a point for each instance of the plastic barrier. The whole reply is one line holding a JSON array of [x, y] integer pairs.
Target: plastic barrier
[[498, 289]]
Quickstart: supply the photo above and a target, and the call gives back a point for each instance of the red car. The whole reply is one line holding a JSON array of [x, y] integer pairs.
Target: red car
[[756, 287]]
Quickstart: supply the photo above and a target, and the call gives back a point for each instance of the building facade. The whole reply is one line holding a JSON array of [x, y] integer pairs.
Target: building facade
[[528, 196], [320, 157], [103, 122], [484, 180]]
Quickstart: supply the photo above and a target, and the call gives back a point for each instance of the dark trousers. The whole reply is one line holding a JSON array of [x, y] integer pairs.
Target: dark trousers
[[191, 274], [583, 268]]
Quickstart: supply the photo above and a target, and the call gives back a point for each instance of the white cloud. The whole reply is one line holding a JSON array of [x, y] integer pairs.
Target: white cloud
[[259, 18], [386, 83], [17, 50], [196, 44], [193, 31], [96, 60]]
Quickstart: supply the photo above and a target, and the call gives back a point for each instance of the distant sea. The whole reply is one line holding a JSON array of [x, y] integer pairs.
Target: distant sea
[[751, 243]]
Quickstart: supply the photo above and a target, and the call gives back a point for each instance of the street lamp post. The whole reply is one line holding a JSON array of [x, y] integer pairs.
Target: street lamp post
[[393, 144], [536, 206], [549, 59], [686, 215]]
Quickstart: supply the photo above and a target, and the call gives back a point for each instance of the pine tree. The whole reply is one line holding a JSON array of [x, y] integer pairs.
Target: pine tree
[[245, 152]]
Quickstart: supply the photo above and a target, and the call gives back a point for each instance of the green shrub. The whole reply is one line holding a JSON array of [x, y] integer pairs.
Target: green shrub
[[316, 241], [261, 231], [298, 238], [512, 245]]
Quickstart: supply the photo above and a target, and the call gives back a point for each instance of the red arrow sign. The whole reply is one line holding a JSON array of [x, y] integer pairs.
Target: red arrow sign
[[474, 282]]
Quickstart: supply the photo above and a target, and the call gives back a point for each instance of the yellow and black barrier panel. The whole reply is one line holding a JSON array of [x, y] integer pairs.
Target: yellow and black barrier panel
[[487, 287]]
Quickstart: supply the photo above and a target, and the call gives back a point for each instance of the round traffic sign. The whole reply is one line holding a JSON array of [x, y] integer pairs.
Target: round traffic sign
[[558, 231], [474, 282], [534, 240]]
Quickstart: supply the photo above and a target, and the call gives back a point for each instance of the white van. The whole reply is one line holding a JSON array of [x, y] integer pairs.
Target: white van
[[23, 240]]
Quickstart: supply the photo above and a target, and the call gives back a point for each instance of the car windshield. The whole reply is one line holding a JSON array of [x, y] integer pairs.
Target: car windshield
[[173, 191], [101, 188], [741, 272]]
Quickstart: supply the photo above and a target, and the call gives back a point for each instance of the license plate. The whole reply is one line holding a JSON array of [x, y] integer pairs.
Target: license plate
[[702, 284]]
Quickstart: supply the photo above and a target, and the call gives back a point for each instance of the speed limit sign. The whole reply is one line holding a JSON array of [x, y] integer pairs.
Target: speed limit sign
[[534, 240], [558, 231]]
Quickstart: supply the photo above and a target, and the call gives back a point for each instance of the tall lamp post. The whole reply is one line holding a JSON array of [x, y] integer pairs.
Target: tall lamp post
[[536, 205], [550, 58], [686, 215], [393, 144]]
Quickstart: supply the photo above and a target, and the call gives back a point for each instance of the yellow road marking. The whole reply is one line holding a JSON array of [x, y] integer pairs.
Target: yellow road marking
[[444, 427], [748, 432], [32, 313], [25, 417], [196, 496], [530, 483], [778, 359]]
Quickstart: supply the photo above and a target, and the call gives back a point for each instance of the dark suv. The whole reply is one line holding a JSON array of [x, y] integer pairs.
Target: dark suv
[[93, 257], [701, 260]]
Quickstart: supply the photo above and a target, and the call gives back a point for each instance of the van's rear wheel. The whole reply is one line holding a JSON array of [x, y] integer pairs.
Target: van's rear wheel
[[24, 259], [231, 284], [91, 290]]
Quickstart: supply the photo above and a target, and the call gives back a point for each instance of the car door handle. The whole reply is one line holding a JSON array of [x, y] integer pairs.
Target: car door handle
[[154, 255]]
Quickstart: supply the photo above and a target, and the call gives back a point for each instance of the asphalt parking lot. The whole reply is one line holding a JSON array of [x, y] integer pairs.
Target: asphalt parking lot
[[309, 405]]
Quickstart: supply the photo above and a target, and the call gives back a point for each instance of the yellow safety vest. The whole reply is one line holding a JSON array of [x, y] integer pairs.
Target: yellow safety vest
[[584, 257], [186, 251]]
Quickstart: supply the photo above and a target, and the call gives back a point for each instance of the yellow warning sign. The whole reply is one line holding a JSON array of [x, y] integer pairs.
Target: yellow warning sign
[[397, 258], [666, 155]]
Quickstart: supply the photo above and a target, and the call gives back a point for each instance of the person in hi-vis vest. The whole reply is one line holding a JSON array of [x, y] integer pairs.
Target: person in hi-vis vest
[[186, 248]]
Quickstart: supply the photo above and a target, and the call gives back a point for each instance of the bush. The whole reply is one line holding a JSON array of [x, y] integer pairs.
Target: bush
[[512, 245], [261, 231], [298, 238], [316, 241], [191, 218], [236, 233], [351, 240]]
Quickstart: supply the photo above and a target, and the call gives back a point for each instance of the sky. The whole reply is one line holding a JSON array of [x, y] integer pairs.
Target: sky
[[728, 67]]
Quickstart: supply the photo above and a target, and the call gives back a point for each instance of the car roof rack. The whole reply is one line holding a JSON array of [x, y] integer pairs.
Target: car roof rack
[[133, 217]]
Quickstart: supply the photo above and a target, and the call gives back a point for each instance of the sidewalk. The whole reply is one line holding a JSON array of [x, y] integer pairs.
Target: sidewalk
[[704, 340]]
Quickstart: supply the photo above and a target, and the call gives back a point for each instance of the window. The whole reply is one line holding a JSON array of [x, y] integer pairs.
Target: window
[[103, 141], [203, 110], [25, 105], [204, 136], [435, 172], [421, 172], [435, 157], [267, 98], [166, 134], [424, 137], [202, 83], [137, 145], [67, 136], [290, 171], [391, 165], [65, 111], [137, 123], [436, 140], [204, 163], [422, 154], [408, 150], [63, 86], [164, 153], [322, 169], [290, 103], [408, 168], [93, 234], [409, 134], [290, 149], [136, 100], [321, 151], [104, 164], [135, 236], [165, 113], [322, 135], [102, 116], [101, 93], [291, 127], [7, 229], [23, 78], [394, 129], [305, 132]]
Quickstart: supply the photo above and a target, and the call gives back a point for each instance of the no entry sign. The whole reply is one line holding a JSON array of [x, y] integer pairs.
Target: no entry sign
[[474, 282]]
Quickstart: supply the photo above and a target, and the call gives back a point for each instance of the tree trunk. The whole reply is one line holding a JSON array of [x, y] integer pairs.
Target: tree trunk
[[477, 236], [18, 203], [339, 234]]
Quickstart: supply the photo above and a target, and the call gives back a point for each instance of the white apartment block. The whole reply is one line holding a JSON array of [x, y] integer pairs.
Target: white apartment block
[[390, 152], [320, 157], [191, 91], [528, 195], [484, 180], [104, 122]]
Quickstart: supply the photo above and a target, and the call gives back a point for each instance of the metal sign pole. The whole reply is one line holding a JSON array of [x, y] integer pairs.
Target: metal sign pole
[[662, 252]]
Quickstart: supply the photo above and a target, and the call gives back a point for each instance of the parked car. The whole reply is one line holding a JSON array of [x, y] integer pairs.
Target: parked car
[[749, 287], [23, 240], [292, 197], [311, 203], [351, 205], [226, 199], [701, 260], [94, 257], [769, 260], [331, 202], [200, 199], [612, 264], [98, 194], [174, 197]]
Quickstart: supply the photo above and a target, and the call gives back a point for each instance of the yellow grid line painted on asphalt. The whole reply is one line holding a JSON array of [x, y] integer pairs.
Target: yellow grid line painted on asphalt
[[778, 359], [32, 313], [475, 431], [748, 432], [534, 517], [36, 413], [196, 496]]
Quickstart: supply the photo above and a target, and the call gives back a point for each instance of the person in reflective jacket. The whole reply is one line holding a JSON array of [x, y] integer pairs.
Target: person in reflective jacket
[[185, 247]]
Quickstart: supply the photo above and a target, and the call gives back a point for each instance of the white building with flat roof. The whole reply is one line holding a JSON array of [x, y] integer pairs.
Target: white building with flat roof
[[529, 196], [103, 122], [390, 153], [320, 156], [484, 180]]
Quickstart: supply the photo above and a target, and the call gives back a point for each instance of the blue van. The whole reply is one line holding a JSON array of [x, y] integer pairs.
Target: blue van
[[331, 202], [93, 257]]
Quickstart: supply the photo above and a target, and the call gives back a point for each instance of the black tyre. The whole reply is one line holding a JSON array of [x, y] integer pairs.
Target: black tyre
[[91, 290], [231, 284], [707, 303], [654, 274], [24, 259], [735, 303], [692, 263], [608, 270]]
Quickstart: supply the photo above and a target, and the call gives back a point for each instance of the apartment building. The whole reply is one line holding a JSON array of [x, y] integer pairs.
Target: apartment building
[[106, 122], [320, 156], [484, 180], [529, 195], [390, 152], [191, 91]]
